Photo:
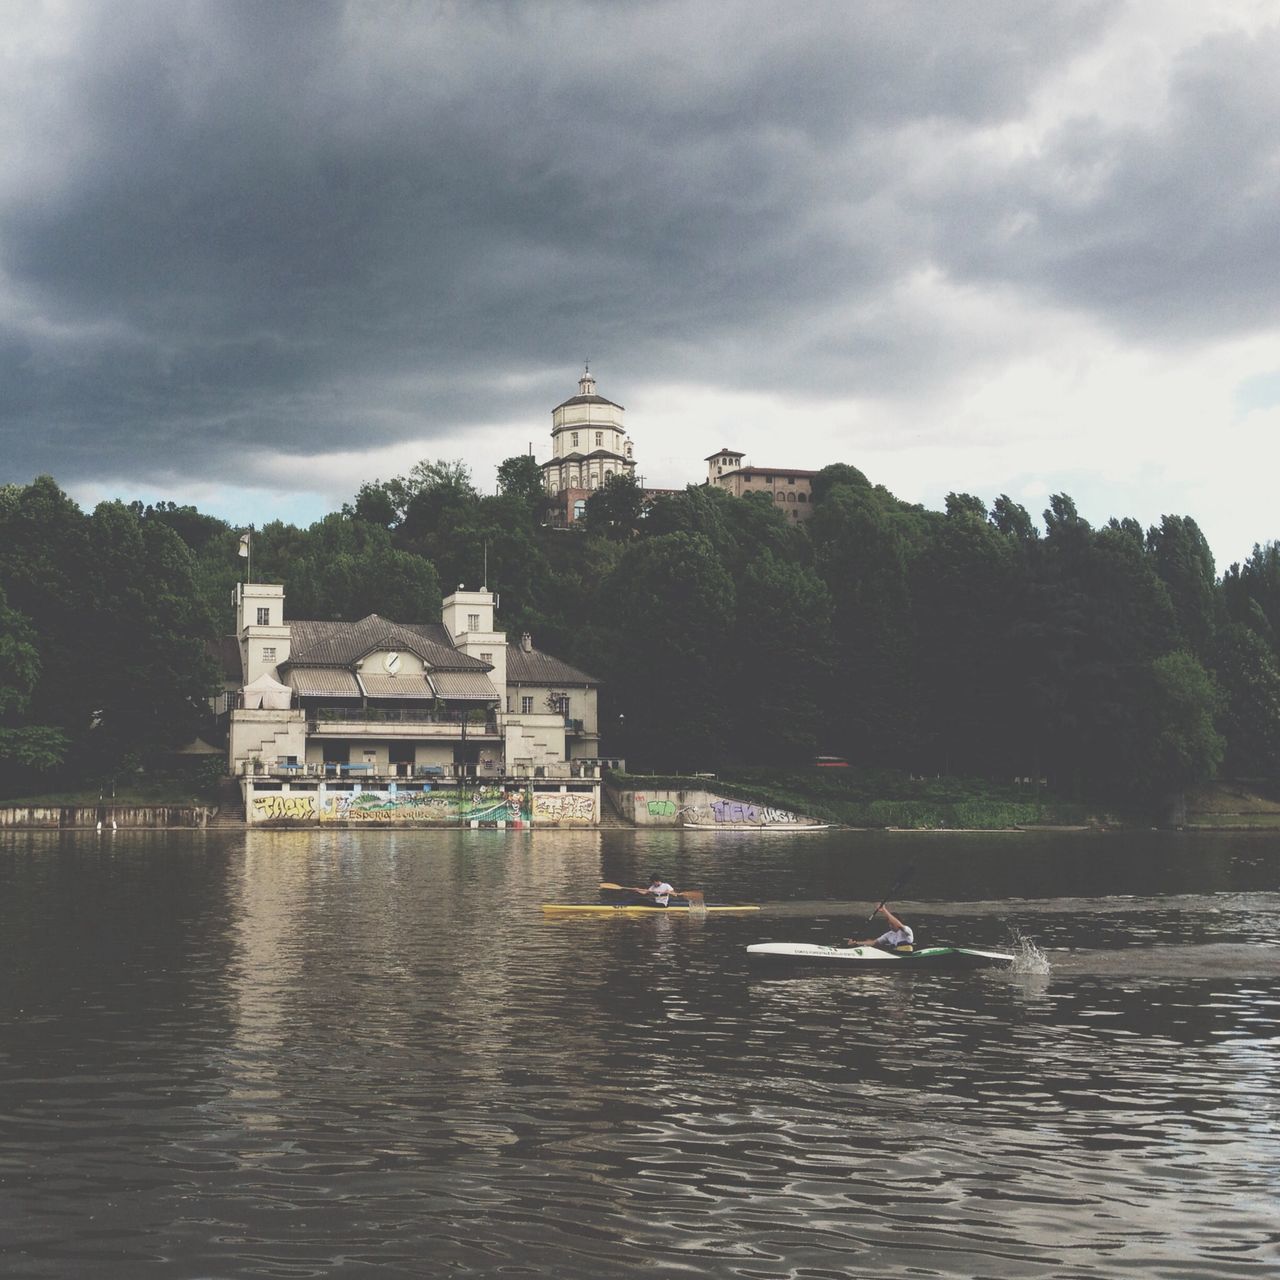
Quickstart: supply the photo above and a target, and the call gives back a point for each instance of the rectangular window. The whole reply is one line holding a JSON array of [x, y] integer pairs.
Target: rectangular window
[[526, 706], [508, 704], [264, 617], [599, 438], [575, 439], [473, 622], [768, 479], [268, 653], [486, 657], [791, 479]]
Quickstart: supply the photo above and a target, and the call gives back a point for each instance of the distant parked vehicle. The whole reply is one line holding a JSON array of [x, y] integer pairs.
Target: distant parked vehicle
[[830, 762]]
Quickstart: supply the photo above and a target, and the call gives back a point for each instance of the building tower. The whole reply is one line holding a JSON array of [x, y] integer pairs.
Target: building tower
[[589, 444]]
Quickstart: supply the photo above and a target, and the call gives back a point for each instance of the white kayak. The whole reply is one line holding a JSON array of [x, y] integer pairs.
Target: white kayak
[[869, 958]]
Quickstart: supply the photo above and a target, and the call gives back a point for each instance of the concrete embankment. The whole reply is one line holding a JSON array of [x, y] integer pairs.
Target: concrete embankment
[[71, 817], [672, 807]]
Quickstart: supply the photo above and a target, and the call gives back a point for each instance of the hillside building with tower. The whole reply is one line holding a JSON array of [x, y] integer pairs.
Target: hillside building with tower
[[790, 488]]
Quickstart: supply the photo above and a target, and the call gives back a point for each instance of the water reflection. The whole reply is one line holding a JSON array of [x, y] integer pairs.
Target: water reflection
[[337, 1053]]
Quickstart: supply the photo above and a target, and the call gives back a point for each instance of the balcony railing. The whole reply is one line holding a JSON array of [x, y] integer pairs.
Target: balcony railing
[[380, 773], [479, 720]]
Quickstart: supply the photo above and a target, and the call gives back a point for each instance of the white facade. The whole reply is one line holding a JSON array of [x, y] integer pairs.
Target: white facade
[[379, 699], [589, 442], [468, 616], [260, 629]]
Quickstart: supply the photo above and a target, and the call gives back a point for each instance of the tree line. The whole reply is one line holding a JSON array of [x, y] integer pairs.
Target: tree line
[[1111, 661]]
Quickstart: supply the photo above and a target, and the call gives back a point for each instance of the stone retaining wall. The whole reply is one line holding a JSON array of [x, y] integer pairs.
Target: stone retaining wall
[[64, 817], [662, 807]]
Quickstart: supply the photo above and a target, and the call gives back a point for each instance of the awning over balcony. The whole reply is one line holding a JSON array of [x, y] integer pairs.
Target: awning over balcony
[[471, 686], [408, 686], [323, 682]]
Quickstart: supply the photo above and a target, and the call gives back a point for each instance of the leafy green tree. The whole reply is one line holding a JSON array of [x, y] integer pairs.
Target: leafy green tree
[[26, 749], [967, 587], [782, 653], [520, 477], [1251, 593], [614, 510], [148, 662], [197, 531], [1248, 674], [864, 541], [740, 529], [1012, 520], [344, 568], [673, 607], [380, 502], [838, 473], [1098, 615], [1183, 746], [1185, 566]]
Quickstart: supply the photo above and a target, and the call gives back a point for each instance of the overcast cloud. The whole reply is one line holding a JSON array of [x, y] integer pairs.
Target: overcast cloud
[[253, 254]]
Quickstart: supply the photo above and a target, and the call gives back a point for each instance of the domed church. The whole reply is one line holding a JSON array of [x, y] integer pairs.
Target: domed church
[[588, 445]]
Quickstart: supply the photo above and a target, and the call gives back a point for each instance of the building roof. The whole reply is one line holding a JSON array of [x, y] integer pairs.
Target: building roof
[[575, 456], [724, 453], [772, 471], [415, 686], [323, 682], [532, 666], [342, 644], [587, 400], [468, 685]]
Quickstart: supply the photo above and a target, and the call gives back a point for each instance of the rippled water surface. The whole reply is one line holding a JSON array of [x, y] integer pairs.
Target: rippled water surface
[[348, 1054]]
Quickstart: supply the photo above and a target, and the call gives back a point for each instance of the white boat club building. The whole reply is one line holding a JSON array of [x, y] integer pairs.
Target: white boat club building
[[396, 712]]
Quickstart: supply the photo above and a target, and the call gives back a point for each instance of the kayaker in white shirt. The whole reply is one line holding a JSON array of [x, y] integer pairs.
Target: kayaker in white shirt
[[898, 936], [659, 890]]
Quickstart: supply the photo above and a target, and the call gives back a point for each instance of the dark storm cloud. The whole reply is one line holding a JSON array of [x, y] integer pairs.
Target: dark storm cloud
[[302, 227]]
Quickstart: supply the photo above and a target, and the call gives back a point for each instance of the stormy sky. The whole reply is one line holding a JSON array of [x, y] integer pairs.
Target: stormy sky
[[252, 254]]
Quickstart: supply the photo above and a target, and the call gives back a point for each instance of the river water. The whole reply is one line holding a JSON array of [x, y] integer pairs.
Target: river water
[[324, 1054]]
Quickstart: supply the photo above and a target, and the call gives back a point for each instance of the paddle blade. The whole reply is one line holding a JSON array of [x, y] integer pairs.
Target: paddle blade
[[697, 903]]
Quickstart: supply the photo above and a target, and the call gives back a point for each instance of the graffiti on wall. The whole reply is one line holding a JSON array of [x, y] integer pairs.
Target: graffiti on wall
[[662, 808], [486, 804], [564, 806], [278, 807], [736, 811]]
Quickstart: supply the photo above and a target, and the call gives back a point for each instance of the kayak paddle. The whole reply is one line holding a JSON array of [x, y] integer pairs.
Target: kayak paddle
[[894, 889]]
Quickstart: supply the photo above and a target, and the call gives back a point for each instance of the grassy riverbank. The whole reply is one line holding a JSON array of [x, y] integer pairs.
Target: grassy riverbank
[[884, 798], [1235, 806]]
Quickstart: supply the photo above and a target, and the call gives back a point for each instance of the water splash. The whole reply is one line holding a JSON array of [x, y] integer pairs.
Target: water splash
[[1027, 957]]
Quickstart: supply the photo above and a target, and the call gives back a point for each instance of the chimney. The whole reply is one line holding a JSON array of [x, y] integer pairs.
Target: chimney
[[526, 642]]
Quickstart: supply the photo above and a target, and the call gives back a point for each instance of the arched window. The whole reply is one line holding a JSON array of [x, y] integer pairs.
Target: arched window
[[780, 496], [802, 497], [791, 497]]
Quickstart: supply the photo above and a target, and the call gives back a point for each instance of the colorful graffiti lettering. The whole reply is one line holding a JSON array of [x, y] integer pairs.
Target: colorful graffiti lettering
[[759, 815], [564, 806], [662, 808], [277, 807]]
